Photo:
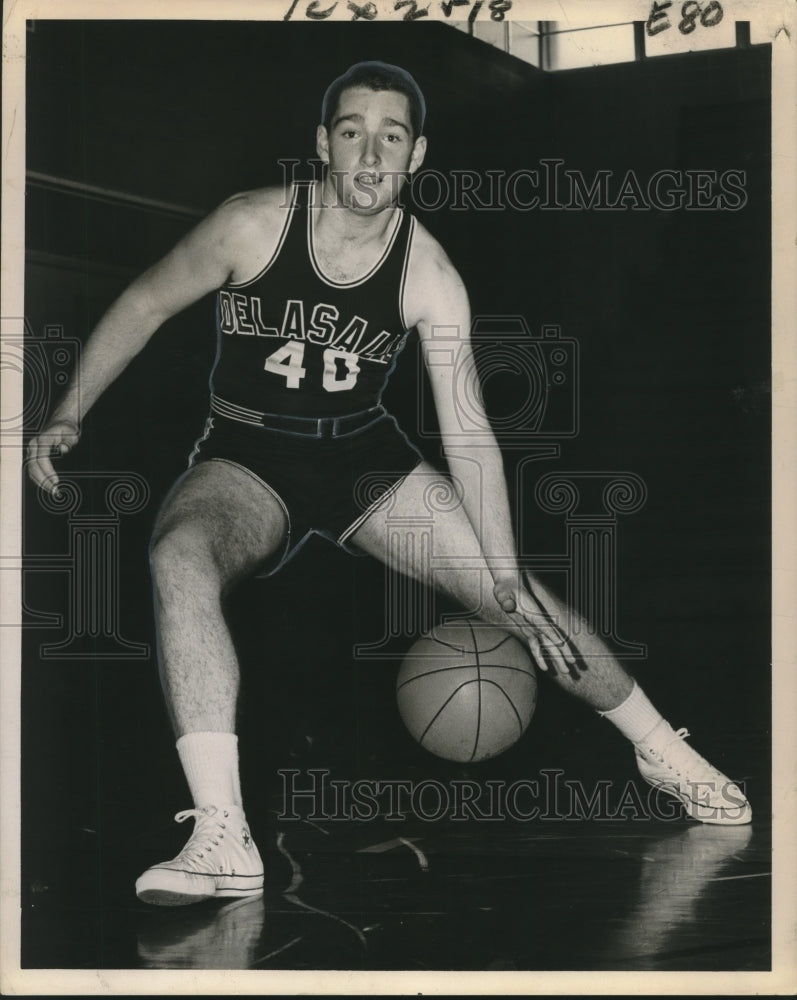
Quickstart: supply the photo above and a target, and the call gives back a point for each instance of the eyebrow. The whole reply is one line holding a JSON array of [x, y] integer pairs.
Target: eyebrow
[[359, 119], [395, 123]]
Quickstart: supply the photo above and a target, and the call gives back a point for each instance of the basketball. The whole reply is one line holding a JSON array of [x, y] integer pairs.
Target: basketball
[[467, 693]]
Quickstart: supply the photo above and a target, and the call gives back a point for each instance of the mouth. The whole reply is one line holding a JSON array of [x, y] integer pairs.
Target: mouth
[[369, 180]]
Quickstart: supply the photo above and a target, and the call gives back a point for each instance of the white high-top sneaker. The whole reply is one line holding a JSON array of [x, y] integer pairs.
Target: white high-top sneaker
[[667, 762], [220, 859]]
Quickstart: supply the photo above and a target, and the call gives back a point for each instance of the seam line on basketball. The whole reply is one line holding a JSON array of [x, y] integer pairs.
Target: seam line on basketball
[[511, 703], [479, 692], [458, 666], [451, 645], [461, 649], [492, 649], [434, 718]]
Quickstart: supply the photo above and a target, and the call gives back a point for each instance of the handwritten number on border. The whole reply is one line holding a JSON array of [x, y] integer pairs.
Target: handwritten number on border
[[499, 8], [658, 19], [413, 13], [367, 10]]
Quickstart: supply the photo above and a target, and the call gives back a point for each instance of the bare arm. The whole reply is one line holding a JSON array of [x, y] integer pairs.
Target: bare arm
[[198, 264], [438, 305], [469, 445]]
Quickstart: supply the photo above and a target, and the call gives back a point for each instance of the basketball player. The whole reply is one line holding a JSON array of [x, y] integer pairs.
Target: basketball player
[[316, 289]]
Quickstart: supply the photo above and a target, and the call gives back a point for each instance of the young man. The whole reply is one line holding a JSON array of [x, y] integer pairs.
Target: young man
[[316, 290]]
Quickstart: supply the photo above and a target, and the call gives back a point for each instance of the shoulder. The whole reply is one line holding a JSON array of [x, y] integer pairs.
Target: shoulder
[[226, 244], [427, 255], [260, 202], [260, 211], [248, 225], [433, 285]]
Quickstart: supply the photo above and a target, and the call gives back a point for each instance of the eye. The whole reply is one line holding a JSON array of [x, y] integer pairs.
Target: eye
[[349, 133], [392, 137]]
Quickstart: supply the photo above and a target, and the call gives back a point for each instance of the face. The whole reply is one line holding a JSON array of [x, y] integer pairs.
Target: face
[[369, 148]]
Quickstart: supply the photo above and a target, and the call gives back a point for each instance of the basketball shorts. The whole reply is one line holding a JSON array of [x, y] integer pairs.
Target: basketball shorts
[[326, 486]]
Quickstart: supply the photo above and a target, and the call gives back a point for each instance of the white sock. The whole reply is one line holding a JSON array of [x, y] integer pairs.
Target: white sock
[[210, 763], [635, 717]]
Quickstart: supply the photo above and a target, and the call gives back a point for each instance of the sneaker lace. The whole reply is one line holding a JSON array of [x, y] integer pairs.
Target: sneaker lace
[[684, 760], [208, 831]]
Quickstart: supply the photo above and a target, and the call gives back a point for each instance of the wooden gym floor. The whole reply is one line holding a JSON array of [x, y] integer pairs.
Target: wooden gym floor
[[633, 888]]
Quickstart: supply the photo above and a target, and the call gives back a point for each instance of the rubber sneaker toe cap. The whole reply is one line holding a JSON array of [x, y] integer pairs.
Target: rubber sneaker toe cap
[[170, 887]]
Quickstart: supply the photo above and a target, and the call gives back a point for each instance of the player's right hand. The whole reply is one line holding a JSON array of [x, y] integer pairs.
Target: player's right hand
[[56, 439]]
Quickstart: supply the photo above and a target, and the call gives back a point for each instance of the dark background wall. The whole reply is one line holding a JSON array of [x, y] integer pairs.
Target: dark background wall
[[670, 311]]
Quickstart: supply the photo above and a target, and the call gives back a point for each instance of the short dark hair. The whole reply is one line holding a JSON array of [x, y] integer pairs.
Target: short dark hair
[[376, 76]]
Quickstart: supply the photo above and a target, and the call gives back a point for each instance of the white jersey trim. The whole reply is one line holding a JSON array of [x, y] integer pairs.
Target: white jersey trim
[[234, 412], [283, 236], [198, 442], [404, 272], [317, 267], [371, 509]]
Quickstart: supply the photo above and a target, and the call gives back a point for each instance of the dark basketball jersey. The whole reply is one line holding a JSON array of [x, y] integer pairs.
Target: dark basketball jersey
[[292, 341]]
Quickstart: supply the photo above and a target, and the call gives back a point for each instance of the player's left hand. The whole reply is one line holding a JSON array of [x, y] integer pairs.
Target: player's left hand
[[547, 641]]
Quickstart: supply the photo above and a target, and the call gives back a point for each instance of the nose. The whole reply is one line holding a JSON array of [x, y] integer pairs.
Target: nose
[[370, 156]]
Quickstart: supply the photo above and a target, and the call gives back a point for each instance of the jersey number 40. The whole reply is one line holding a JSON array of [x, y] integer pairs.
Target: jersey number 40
[[340, 367]]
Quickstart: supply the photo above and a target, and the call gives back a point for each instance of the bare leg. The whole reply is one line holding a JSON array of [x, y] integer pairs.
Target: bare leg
[[459, 570], [218, 524], [664, 759]]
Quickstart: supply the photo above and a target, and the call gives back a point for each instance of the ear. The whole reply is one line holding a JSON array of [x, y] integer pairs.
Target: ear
[[418, 153], [322, 143]]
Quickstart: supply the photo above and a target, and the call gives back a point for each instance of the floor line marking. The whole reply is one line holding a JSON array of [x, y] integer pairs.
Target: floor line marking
[[423, 861], [297, 877], [296, 881], [309, 822], [386, 845], [277, 951], [731, 878], [325, 913]]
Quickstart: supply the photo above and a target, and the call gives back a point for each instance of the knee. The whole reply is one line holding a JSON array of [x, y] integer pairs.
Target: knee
[[180, 551]]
